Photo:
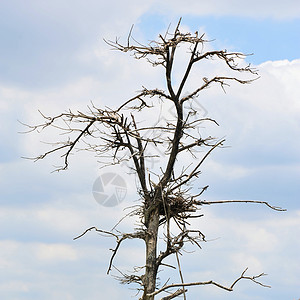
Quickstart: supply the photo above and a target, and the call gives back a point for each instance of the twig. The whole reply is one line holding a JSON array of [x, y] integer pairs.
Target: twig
[[181, 276]]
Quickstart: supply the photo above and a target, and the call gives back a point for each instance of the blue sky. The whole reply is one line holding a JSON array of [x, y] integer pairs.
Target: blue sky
[[52, 57]]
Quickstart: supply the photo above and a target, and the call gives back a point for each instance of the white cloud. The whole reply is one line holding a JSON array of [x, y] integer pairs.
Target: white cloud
[[260, 119], [227, 171], [55, 252], [263, 245], [257, 9], [54, 270], [17, 286]]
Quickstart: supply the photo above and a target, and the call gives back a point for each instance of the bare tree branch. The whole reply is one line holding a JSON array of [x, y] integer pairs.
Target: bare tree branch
[[211, 282], [240, 201], [175, 294], [195, 170], [119, 239], [181, 276]]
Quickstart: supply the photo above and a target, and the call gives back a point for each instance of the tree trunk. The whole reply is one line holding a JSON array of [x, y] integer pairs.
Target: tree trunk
[[151, 255]]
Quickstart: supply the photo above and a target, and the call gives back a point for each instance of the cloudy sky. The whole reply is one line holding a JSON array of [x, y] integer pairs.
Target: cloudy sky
[[52, 57]]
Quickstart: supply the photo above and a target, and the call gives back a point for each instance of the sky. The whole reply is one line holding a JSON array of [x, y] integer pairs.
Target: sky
[[53, 57]]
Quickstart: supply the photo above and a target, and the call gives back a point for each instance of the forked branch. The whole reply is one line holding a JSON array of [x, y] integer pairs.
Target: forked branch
[[120, 237], [211, 282]]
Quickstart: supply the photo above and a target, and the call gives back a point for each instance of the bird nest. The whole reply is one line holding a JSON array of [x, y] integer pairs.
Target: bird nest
[[176, 205]]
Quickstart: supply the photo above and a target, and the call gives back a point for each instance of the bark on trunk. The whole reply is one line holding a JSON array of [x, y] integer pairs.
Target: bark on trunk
[[151, 255]]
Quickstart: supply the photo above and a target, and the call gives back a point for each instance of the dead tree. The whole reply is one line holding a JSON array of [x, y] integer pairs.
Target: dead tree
[[167, 201]]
